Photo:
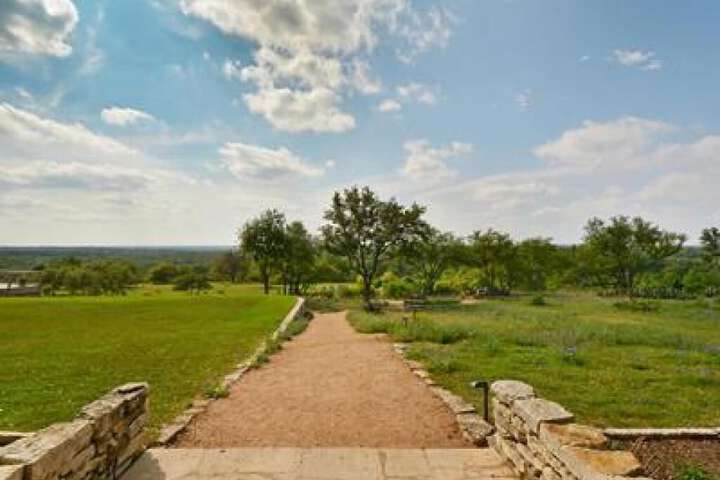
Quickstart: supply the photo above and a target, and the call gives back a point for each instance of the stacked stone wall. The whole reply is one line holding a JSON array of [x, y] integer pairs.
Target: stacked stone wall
[[100, 443], [541, 441]]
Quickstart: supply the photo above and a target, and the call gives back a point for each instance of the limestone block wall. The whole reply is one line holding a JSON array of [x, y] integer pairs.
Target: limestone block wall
[[101, 442], [541, 441]]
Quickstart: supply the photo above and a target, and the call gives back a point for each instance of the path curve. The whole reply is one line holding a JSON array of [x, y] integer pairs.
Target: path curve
[[329, 387]]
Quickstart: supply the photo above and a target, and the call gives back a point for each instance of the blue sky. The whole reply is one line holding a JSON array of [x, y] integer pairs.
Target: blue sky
[[174, 121]]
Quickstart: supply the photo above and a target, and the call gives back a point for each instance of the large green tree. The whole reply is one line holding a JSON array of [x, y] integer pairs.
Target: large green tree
[[263, 239], [537, 259], [429, 256], [626, 247], [367, 230]]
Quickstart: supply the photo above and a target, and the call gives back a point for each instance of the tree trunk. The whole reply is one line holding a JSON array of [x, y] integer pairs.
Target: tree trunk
[[266, 281], [367, 293]]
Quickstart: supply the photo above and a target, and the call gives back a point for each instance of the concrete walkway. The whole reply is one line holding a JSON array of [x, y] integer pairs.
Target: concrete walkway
[[319, 464]]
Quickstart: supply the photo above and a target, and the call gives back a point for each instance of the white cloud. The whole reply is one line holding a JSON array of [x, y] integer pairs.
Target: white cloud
[[425, 31], [299, 110], [124, 116], [309, 51], [41, 27], [427, 163], [389, 105], [231, 69], [416, 92], [251, 161], [584, 58], [524, 100], [643, 60], [25, 130], [74, 175], [624, 142]]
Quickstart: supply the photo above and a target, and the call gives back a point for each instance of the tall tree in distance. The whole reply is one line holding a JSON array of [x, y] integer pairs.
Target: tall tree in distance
[[263, 239], [710, 241], [366, 230], [232, 266], [626, 247]]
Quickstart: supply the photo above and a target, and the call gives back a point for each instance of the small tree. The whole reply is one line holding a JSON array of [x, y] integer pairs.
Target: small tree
[[365, 230], [298, 259], [493, 252], [624, 247], [710, 241], [263, 238], [232, 266], [429, 256], [162, 273], [537, 258]]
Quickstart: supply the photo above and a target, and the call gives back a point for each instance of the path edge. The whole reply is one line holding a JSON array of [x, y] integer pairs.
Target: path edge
[[170, 431], [473, 427]]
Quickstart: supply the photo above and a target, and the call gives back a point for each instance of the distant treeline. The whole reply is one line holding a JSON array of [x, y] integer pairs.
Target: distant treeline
[[30, 258]]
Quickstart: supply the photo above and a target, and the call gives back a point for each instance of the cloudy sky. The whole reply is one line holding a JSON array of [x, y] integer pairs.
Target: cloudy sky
[[161, 122]]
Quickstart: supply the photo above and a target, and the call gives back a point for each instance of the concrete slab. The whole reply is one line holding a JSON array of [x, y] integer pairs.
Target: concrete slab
[[319, 464]]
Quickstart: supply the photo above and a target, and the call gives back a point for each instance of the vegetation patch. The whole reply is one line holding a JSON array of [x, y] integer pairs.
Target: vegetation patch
[[58, 354]]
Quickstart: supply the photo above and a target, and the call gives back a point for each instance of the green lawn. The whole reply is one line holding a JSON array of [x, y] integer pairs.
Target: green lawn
[[57, 354], [610, 367]]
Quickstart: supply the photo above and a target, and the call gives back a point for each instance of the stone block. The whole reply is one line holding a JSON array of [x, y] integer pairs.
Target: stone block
[[48, 450], [572, 435], [11, 472], [500, 410], [6, 438], [455, 403], [589, 464], [475, 427], [535, 411], [549, 474], [507, 391]]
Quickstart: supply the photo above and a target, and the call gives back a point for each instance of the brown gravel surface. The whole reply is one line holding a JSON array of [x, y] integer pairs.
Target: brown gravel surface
[[329, 387], [662, 457]]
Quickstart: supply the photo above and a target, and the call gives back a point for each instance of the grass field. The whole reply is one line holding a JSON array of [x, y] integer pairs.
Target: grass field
[[611, 367], [57, 354]]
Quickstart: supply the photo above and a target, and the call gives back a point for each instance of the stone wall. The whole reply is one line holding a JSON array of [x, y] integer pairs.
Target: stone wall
[[540, 440], [100, 443]]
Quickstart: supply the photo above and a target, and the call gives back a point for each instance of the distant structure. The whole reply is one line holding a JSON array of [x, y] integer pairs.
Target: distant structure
[[14, 283]]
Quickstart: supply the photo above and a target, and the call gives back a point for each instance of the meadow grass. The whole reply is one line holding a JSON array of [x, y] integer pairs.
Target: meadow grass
[[610, 366], [57, 354]]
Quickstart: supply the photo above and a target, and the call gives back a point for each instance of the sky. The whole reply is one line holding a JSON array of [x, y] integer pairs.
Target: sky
[[173, 122]]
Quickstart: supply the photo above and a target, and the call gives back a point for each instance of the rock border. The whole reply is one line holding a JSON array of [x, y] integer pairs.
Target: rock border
[[170, 431], [473, 427], [684, 432]]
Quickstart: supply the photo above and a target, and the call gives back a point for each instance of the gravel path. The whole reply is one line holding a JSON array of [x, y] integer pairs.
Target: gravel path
[[329, 387]]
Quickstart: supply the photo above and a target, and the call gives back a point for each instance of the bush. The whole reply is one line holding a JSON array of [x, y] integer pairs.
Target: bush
[[218, 391], [693, 472], [395, 287], [538, 301], [323, 304]]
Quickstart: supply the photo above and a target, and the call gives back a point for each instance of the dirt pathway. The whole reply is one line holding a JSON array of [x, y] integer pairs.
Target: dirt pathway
[[330, 387]]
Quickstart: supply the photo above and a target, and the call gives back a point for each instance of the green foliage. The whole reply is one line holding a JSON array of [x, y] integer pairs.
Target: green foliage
[[538, 301], [193, 280], [610, 367], [263, 239], [217, 391], [691, 471], [623, 248], [232, 266], [395, 287], [495, 255], [420, 330], [163, 273], [74, 277], [636, 306], [367, 231], [85, 346], [428, 256]]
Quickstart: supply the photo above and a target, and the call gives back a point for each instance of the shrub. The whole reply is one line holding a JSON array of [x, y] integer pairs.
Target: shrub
[[323, 304], [538, 301], [218, 391], [693, 472]]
